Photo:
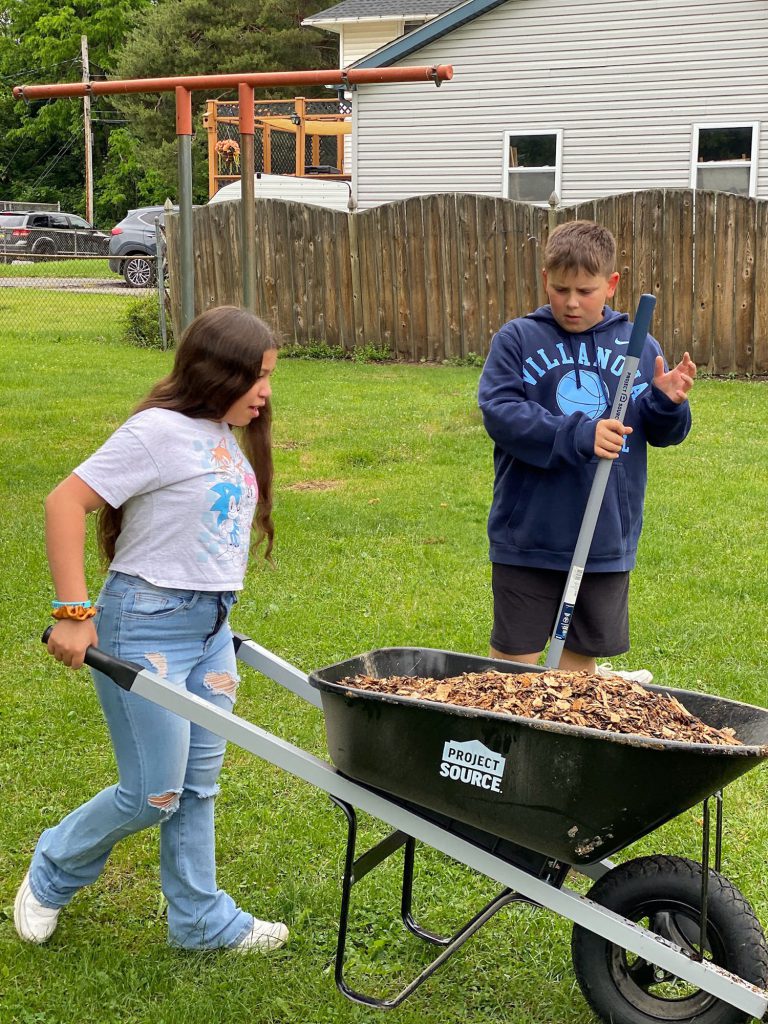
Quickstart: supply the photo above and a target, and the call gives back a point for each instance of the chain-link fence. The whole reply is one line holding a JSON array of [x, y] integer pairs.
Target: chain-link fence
[[43, 292]]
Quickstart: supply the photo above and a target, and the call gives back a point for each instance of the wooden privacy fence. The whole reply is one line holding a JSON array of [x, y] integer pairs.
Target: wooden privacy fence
[[433, 277]]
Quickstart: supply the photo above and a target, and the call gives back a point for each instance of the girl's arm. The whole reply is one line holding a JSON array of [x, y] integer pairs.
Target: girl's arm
[[65, 510]]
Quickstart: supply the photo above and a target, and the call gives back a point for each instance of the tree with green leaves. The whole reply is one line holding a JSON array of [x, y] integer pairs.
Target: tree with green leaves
[[199, 37], [42, 143]]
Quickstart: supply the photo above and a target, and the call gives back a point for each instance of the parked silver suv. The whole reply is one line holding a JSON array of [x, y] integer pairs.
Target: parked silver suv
[[133, 246], [48, 234]]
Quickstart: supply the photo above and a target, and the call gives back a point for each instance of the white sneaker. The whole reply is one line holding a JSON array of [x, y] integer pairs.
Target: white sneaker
[[640, 675], [33, 921], [264, 935]]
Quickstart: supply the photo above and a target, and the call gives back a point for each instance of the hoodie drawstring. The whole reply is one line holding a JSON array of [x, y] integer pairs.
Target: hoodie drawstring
[[575, 358]]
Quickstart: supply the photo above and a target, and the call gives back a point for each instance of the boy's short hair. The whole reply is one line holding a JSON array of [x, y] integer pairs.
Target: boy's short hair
[[581, 245]]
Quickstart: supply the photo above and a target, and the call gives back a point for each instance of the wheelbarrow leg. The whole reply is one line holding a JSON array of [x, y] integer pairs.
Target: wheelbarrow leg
[[354, 870], [406, 903], [705, 844]]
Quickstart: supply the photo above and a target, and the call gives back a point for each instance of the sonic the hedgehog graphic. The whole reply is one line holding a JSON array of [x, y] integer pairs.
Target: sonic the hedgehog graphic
[[227, 510]]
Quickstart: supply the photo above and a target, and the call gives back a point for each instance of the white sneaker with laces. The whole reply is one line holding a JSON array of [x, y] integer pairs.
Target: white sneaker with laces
[[33, 921], [640, 675], [264, 935]]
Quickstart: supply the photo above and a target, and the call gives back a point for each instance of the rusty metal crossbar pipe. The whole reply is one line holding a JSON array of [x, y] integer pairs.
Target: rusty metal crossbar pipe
[[245, 83], [434, 73]]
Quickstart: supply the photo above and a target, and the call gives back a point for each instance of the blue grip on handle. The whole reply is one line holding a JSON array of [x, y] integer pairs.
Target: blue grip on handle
[[641, 325]]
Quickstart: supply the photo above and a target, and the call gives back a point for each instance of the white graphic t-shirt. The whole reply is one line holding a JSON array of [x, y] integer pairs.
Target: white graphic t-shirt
[[188, 497]]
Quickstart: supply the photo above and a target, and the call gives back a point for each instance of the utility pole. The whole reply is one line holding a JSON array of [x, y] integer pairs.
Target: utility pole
[[88, 134]]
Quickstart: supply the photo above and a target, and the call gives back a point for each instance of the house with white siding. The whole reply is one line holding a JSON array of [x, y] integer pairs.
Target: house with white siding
[[584, 99], [366, 25]]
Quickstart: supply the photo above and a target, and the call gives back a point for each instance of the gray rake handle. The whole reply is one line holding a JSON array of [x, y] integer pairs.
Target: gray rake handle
[[637, 338]]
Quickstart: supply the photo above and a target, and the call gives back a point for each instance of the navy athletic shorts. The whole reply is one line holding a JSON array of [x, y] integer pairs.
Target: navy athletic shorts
[[526, 602]]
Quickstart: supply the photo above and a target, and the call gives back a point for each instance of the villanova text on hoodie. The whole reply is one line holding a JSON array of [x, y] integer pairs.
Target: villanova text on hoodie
[[541, 393]]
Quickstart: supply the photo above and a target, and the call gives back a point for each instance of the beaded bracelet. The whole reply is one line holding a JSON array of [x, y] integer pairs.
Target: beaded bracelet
[[78, 612]]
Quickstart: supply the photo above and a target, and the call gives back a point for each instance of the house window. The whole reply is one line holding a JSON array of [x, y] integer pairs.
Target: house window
[[532, 165], [725, 158], [411, 26]]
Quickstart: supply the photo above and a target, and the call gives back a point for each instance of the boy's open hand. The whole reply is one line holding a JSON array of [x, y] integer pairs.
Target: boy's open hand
[[609, 438], [677, 382]]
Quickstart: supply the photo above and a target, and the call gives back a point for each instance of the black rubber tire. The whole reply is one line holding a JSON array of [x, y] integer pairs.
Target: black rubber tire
[[139, 272], [665, 894], [44, 247]]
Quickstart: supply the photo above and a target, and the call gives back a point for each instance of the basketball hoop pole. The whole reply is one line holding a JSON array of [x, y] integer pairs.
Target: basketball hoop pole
[[589, 522]]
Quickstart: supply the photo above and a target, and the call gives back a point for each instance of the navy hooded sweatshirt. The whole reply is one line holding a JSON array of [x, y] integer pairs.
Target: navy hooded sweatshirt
[[542, 391]]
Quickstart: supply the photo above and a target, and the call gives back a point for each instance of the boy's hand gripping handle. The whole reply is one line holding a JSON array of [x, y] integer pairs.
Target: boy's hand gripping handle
[[640, 328], [121, 672]]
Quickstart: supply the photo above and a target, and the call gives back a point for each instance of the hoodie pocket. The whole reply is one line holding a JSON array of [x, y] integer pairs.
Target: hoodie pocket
[[546, 515], [521, 502], [612, 529]]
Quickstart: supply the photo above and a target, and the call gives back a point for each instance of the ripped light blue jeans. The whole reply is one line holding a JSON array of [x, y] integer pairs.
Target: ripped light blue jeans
[[168, 768]]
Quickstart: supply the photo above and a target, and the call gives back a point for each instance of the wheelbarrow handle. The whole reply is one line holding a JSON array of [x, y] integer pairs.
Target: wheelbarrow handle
[[121, 672]]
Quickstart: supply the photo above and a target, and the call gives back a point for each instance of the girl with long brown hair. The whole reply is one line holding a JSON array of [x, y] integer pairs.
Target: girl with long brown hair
[[176, 492]]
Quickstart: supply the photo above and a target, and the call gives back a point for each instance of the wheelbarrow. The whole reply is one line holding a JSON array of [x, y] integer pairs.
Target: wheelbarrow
[[525, 802]]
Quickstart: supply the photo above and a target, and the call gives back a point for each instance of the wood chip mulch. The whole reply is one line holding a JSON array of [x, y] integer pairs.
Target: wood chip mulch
[[609, 703]]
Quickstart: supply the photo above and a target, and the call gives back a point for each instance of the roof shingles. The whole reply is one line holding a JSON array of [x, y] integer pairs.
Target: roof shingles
[[382, 9]]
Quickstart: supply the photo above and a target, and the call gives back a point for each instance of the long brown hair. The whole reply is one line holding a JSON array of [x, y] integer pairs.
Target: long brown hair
[[217, 360]]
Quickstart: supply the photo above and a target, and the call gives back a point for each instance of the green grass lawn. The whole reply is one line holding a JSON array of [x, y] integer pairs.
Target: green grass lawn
[[87, 266], [31, 317], [383, 480]]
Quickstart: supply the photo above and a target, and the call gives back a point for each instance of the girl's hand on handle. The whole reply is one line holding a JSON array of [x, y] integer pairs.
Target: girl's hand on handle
[[677, 382], [70, 639], [609, 438]]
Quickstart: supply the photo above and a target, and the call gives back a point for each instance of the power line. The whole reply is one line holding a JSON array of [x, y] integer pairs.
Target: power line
[[101, 71], [12, 157], [58, 156], [25, 142], [38, 71]]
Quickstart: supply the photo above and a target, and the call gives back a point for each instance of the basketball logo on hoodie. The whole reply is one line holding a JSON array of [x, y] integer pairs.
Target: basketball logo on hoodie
[[586, 393]]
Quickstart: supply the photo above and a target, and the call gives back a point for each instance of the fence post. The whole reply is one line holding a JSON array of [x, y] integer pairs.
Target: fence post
[[358, 329], [160, 273], [247, 196], [184, 144], [554, 201]]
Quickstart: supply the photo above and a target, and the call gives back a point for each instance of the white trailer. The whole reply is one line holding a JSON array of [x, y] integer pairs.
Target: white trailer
[[335, 195]]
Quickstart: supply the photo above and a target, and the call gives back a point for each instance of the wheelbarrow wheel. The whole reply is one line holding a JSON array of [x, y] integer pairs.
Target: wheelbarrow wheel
[[664, 895]]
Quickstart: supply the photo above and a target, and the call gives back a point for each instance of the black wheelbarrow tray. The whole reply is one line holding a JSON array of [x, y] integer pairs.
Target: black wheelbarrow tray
[[575, 794], [525, 802]]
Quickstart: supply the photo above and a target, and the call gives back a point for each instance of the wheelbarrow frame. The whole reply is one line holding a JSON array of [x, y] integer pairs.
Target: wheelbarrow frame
[[517, 883]]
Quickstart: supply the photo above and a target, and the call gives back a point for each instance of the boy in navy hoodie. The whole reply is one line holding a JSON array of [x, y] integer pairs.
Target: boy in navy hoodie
[[545, 392]]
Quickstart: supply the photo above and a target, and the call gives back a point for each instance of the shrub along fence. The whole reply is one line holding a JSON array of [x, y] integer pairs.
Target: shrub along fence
[[433, 277]]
